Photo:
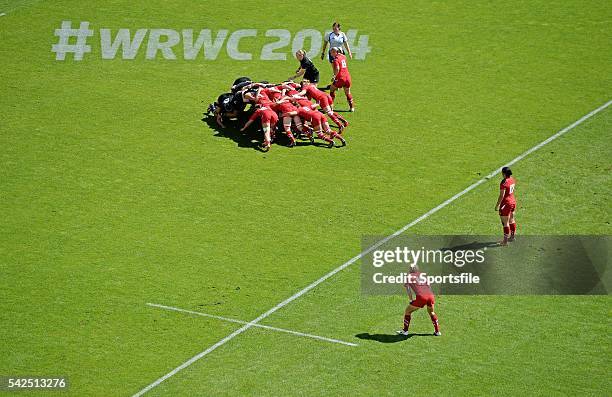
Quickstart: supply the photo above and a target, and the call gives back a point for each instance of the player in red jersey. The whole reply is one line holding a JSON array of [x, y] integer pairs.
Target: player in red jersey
[[342, 77], [325, 101], [317, 121], [288, 111], [506, 205], [269, 118], [424, 297], [274, 93]]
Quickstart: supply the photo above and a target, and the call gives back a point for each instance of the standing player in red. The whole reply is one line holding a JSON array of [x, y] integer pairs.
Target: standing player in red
[[506, 204], [342, 77], [424, 296]]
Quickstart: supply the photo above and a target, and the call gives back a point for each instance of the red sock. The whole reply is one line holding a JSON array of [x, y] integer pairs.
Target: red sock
[[322, 136], [290, 135], [434, 320], [506, 232], [513, 228], [333, 96], [349, 98], [406, 321], [335, 118]]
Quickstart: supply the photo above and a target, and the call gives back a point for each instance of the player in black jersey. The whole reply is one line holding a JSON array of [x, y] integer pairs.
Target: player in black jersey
[[307, 69]]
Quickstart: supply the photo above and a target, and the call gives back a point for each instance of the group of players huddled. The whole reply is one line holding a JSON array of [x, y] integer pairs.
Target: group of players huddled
[[296, 109]]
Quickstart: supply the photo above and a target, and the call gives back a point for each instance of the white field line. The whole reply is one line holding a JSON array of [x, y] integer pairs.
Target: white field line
[[232, 320], [370, 249]]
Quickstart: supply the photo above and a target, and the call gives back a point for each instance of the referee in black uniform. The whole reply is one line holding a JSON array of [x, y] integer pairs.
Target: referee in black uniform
[[307, 69]]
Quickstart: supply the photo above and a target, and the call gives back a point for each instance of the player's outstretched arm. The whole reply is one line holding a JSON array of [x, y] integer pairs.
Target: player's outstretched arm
[[246, 125], [218, 117], [299, 73]]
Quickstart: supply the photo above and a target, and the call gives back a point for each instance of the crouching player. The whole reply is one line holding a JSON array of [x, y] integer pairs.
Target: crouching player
[[318, 122], [316, 119], [269, 118], [424, 296], [289, 113], [325, 101]]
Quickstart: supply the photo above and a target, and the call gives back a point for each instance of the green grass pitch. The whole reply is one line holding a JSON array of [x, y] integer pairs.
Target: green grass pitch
[[113, 193]]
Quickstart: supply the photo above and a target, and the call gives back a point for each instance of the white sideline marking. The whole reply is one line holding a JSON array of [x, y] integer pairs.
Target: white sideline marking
[[232, 320], [365, 252]]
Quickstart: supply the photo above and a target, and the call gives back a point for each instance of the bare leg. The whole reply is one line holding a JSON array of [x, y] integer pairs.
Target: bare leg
[[512, 224], [349, 98], [407, 316], [505, 220], [267, 139], [287, 129]]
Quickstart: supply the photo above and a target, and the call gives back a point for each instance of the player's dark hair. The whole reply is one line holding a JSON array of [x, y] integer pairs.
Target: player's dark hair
[[507, 172], [336, 24]]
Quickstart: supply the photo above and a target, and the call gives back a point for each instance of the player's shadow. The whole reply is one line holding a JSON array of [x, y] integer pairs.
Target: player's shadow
[[247, 139], [386, 338], [252, 137], [473, 246]]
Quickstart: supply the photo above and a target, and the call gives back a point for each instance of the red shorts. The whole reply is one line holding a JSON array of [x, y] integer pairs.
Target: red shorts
[[324, 101], [341, 82], [421, 301], [313, 116], [269, 117], [506, 209], [285, 107], [304, 102]]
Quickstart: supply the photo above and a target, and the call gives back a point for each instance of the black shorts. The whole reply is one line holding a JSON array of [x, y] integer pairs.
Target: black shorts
[[313, 77]]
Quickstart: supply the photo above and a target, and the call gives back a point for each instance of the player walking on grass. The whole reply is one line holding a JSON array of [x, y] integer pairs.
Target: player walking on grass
[[424, 296], [336, 38], [506, 205], [342, 77]]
